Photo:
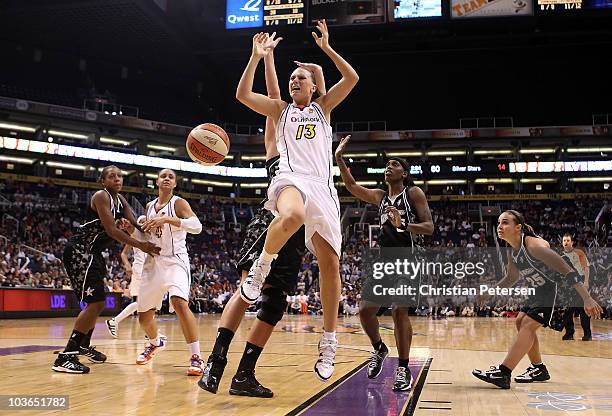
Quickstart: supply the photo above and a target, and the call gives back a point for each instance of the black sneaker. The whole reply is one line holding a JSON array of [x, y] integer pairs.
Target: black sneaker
[[403, 379], [533, 373], [587, 338], [568, 337], [212, 373], [244, 383], [93, 354], [68, 362], [376, 362], [494, 376]]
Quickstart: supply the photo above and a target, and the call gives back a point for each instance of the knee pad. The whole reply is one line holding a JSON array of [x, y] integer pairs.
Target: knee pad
[[273, 305]]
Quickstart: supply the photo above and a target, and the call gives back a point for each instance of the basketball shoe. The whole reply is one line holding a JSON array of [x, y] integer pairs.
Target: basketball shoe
[[324, 367], [68, 362], [196, 366], [112, 327], [250, 289], [92, 354], [533, 373], [244, 383], [212, 373], [149, 352], [376, 362], [494, 376], [403, 379]]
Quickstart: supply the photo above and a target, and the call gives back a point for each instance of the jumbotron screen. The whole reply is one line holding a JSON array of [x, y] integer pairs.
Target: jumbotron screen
[[461, 9], [348, 12], [566, 5], [414, 9]]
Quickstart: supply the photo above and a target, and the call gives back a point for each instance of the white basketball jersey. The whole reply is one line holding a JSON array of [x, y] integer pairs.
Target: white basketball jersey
[[170, 239], [304, 141], [139, 255]]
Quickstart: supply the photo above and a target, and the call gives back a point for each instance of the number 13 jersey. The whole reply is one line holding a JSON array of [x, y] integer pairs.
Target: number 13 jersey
[[304, 141]]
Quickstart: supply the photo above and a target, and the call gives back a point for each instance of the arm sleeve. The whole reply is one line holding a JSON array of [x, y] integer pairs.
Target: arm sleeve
[[192, 225]]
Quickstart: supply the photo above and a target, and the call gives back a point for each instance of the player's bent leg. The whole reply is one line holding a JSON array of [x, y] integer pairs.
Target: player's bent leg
[[292, 213], [329, 279]]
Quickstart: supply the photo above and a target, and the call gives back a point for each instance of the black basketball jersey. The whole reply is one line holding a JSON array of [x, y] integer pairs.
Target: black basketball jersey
[[91, 235], [537, 275], [390, 236]]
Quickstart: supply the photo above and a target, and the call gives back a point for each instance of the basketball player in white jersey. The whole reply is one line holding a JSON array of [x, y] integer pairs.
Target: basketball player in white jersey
[[135, 272], [169, 219], [281, 280], [303, 191]]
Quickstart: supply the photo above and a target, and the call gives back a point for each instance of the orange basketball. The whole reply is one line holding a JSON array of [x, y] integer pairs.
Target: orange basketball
[[208, 144]]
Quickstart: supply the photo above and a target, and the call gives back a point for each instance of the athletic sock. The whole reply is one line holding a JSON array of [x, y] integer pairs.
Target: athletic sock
[[130, 309], [504, 369], [87, 339], [540, 365], [331, 336], [249, 357], [403, 362], [75, 341], [155, 341], [222, 342], [194, 348], [380, 346]]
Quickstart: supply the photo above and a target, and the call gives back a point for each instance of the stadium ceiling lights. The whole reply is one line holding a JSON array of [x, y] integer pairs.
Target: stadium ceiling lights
[[446, 182], [253, 157], [493, 152], [400, 154], [11, 159], [446, 153], [538, 180], [593, 179], [254, 185], [537, 151], [18, 127], [361, 155], [110, 140], [162, 148], [68, 134], [213, 183], [588, 149], [66, 165], [494, 180]]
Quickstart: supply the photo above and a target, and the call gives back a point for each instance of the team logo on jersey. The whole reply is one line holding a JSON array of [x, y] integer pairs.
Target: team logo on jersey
[[158, 232]]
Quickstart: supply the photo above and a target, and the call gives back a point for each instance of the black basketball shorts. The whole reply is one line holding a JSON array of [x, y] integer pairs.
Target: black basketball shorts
[[286, 267], [86, 272], [548, 316]]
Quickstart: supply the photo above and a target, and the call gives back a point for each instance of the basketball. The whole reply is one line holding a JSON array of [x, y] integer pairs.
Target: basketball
[[208, 144]]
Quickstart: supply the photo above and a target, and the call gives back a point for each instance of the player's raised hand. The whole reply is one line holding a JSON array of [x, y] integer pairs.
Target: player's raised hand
[[308, 66], [153, 223], [342, 146], [394, 216], [259, 42], [271, 42], [323, 40]]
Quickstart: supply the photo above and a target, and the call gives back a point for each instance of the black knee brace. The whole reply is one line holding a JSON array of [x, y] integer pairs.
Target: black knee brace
[[273, 305]]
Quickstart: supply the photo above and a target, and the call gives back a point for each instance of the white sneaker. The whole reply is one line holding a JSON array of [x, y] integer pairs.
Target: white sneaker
[[112, 327], [250, 289], [324, 367], [149, 352]]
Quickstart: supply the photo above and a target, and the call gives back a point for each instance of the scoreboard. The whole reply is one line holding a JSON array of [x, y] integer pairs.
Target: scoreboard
[[283, 12], [259, 13]]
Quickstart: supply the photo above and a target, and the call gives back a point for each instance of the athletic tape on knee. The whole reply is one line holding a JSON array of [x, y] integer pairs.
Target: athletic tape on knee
[[273, 305]]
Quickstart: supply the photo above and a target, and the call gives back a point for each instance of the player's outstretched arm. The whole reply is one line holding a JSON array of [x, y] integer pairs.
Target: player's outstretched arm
[[341, 90], [373, 196], [244, 93], [273, 90]]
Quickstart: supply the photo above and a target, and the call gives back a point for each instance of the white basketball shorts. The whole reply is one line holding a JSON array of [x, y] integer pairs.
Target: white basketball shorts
[[162, 274]]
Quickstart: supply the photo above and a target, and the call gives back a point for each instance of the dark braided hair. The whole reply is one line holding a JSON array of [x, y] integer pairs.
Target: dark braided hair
[[520, 219]]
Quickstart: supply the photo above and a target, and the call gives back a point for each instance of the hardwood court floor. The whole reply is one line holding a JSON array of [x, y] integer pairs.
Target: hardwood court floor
[[581, 371]]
